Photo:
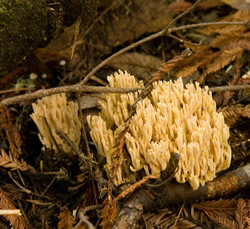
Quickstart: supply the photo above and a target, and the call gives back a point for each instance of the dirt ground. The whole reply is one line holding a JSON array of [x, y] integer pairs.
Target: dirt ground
[[62, 180]]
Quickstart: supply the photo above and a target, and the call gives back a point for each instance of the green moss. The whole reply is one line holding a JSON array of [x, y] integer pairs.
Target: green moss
[[24, 25], [28, 24]]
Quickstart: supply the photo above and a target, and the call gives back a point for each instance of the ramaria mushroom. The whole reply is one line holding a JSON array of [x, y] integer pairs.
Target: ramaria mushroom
[[55, 112], [171, 119]]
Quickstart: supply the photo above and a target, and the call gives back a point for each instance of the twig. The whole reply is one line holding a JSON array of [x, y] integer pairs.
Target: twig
[[52, 136], [98, 19], [184, 27], [76, 88], [178, 216], [82, 88], [90, 155], [84, 220], [22, 211], [183, 14], [57, 173], [183, 41], [13, 90], [72, 146], [47, 188], [19, 185], [136, 185], [90, 208], [10, 212], [229, 88]]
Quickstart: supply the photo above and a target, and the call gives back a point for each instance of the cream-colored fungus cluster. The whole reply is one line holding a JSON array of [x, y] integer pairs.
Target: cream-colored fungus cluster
[[171, 119], [61, 115]]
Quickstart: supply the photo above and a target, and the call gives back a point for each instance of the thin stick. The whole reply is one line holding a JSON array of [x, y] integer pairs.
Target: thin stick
[[10, 212], [98, 19], [90, 155], [229, 88], [76, 88], [47, 188], [191, 26], [183, 41], [13, 90], [19, 185], [178, 216], [52, 136], [183, 14]]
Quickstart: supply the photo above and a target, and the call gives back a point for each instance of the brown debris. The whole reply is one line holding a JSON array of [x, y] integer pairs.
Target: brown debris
[[208, 41]]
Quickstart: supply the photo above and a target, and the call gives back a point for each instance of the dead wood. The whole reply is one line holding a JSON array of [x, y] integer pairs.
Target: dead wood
[[147, 199]]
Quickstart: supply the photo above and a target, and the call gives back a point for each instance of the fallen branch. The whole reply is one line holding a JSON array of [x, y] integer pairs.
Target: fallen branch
[[146, 199], [76, 88]]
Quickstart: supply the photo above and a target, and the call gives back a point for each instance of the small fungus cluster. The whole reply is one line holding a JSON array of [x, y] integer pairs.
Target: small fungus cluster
[[173, 118], [55, 112]]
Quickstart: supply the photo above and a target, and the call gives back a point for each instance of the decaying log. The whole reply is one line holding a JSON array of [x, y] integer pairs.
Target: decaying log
[[146, 198]]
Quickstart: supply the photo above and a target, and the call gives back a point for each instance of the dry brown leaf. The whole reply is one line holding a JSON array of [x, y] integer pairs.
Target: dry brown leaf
[[221, 29], [140, 65], [246, 111], [206, 4], [229, 37], [241, 213], [16, 222], [179, 6], [7, 161], [108, 213], [13, 136], [233, 113], [230, 41], [227, 222], [188, 71], [196, 215], [129, 21], [166, 219], [226, 211], [238, 4], [216, 208], [65, 220], [87, 101], [223, 58]]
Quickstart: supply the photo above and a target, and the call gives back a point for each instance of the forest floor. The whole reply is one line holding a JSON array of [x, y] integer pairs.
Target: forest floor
[[152, 40]]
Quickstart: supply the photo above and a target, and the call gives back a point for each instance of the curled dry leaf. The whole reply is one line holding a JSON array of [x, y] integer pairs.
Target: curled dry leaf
[[233, 113], [15, 221], [65, 220], [140, 65], [229, 41], [9, 162], [166, 219]]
